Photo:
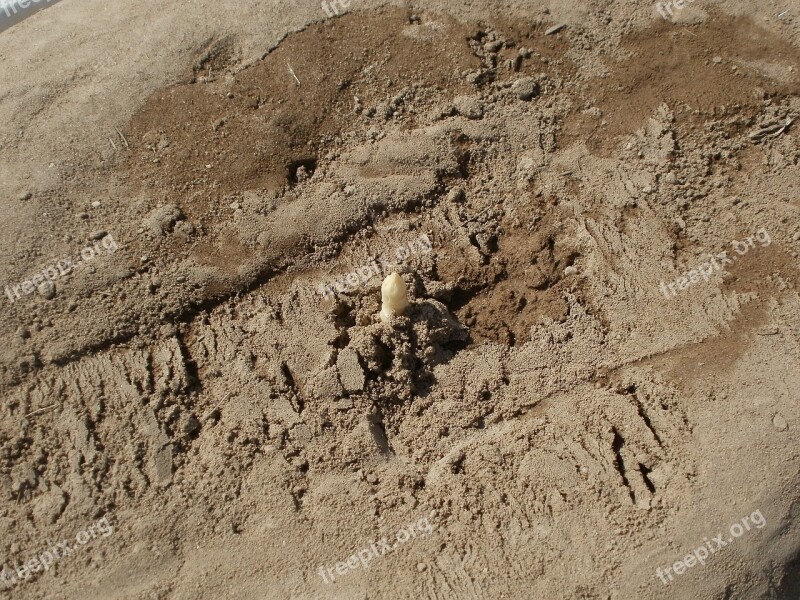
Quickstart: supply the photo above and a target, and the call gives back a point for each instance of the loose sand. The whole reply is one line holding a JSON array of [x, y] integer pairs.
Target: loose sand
[[549, 419]]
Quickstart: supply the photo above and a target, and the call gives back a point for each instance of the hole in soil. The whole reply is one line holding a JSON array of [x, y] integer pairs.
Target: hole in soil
[[378, 431], [645, 472], [512, 275], [300, 170]]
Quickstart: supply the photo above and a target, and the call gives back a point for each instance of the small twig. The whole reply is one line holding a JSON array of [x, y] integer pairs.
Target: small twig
[[783, 128], [580, 167], [555, 29], [771, 130], [476, 216], [113, 145], [123, 138], [291, 70], [40, 410], [213, 410]]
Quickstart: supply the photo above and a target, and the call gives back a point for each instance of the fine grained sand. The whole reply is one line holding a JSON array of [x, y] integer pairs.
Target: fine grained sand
[[195, 419]]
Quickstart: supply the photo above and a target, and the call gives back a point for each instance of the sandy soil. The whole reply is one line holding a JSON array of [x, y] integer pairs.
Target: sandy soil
[[594, 394]]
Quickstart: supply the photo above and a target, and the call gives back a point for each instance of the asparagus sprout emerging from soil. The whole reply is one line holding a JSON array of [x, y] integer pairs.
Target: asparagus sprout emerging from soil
[[394, 297]]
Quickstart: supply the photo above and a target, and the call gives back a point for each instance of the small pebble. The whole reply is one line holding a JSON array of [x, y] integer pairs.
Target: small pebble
[[25, 196], [191, 425], [96, 204], [421, 567], [473, 78], [779, 423], [526, 88], [555, 29], [47, 290], [468, 106], [717, 60], [97, 235], [796, 236], [570, 271]]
